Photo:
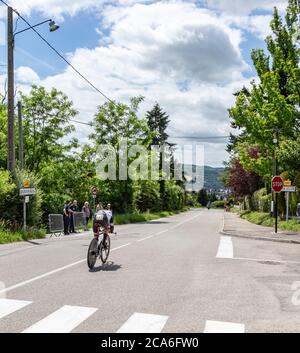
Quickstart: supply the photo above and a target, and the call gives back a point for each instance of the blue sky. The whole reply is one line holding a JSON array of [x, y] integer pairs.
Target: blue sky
[[189, 56]]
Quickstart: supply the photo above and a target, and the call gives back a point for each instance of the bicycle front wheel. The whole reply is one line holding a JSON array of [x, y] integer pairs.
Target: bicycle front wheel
[[92, 253], [104, 249]]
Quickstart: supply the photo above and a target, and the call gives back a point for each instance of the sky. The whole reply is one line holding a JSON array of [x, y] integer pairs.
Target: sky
[[189, 56]]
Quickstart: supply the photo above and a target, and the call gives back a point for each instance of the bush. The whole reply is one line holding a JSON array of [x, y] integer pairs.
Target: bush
[[146, 196], [174, 196], [218, 204]]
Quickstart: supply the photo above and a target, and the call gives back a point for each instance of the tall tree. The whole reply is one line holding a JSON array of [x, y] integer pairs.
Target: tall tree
[[46, 120], [273, 103], [158, 122]]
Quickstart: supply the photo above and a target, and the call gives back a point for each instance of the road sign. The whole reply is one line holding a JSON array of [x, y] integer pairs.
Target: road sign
[[289, 189], [26, 183], [277, 183], [287, 183], [27, 192]]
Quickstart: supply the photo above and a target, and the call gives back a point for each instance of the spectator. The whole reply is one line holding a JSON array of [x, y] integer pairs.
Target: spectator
[[99, 207], [72, 210], [66, 217], [110, 217], [298, 210], [86, 214]]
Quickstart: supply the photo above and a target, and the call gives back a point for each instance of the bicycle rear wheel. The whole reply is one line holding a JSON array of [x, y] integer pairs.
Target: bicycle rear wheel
[[92, 253], [104, 249]]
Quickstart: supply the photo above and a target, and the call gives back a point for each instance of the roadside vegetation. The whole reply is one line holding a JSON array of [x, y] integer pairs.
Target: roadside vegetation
[[62, 169], [265, 219], [266, 121]]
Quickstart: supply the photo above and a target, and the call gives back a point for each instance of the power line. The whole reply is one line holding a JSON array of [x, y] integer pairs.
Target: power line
[[61, 56], [172, 137]]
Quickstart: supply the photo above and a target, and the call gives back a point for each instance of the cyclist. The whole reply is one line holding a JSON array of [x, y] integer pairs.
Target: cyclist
[[103, 218]]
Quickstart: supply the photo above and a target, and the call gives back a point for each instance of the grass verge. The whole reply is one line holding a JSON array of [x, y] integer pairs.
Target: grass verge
[[143, 217], [7, 236], [264, 219]]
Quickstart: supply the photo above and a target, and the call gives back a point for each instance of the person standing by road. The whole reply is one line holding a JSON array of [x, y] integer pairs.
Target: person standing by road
[[86, 214], [66, 217], [72, 210]]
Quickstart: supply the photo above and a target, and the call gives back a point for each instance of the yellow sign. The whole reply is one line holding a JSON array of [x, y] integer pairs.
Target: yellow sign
[[26, 183], [287, 183]]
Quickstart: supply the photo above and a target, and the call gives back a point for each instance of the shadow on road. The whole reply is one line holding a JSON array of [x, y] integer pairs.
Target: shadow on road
[[109, 266]]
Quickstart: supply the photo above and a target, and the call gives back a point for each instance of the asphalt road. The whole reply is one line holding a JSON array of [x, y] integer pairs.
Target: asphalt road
[[177, 274]]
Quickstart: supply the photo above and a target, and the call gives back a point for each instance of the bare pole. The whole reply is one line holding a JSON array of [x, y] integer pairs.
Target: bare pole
[[11, 160], [20, 126]]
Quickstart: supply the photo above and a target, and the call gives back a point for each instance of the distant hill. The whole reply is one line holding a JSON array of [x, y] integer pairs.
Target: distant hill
[[211, 177]]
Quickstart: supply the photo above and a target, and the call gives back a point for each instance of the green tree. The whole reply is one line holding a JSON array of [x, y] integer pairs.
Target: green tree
[[273, 102], [203, 197], [113, 123], [158, 122], [46, 121]]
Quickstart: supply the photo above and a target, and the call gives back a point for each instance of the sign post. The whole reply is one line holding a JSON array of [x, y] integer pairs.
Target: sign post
[[287, 189], [26, 191], [277, 186]]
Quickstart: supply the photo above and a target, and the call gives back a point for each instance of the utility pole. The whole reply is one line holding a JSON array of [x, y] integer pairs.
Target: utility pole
[[276, 173], [11, 160], [20, 126]]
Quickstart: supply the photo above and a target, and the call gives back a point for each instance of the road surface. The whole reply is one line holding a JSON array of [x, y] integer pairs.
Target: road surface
[[176, 274]]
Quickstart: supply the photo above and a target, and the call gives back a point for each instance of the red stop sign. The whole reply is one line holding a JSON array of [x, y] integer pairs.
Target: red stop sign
[[277, 183]]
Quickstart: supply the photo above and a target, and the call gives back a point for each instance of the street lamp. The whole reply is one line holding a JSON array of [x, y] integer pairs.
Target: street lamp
[[11, 160]]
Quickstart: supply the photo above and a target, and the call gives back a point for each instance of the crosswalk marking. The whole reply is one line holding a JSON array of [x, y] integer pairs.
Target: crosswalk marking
[[144, 323], [223, 327], [63, 320], [8, 306], [225, 250]]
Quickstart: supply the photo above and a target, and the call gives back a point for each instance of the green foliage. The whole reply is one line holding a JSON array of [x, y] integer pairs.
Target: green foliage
[[218, 204], [127, 218], [174, 196], [46, 120], [273, 102], [264, 219], [147, 196], [203, 197], [158, 121]]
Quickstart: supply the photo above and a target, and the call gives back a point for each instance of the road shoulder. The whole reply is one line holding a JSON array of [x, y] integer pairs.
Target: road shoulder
[[235, 226]]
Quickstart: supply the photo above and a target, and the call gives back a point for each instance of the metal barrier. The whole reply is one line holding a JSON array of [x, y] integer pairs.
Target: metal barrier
[[56, 224], [79, 220]]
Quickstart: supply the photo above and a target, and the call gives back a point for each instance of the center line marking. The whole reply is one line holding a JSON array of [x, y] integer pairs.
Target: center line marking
[[151, 236]]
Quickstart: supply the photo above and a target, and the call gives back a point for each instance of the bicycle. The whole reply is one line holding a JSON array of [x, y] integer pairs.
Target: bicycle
[[97, 249]]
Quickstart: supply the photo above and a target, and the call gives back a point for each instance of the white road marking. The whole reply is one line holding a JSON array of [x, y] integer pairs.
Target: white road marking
[[223, 327], [63, 320], [8, 306], [21, 284], [225, 250], [120, 247], [267, 260], [151, 236], [176, 226], [144, 323]]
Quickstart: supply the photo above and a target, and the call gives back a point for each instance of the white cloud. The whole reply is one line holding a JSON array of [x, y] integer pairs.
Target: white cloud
[[26, 75], [242, 7], [186, 58]]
